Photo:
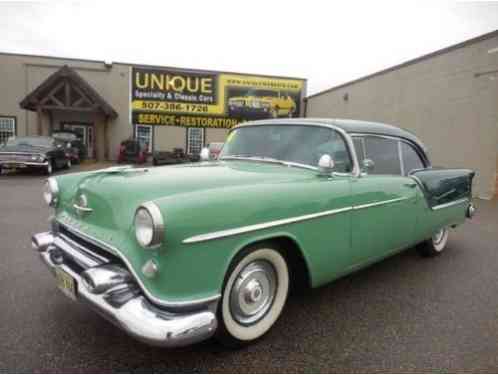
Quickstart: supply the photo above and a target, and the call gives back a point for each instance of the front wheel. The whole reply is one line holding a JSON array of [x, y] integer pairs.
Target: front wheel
[[254, 294], [435, 245]]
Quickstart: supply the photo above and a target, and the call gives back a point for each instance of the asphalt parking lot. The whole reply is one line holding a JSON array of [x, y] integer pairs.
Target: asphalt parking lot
[[406, 314]]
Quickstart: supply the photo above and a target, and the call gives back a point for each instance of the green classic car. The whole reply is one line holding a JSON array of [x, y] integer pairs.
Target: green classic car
[[174, 255]]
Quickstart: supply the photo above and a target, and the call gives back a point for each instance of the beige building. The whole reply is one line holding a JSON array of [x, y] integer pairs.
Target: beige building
[[448, 98], [97, 100]]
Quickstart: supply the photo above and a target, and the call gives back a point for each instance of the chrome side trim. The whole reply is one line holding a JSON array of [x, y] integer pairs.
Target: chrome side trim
[[160, 302], [381, 203], [454, 203], [266, 225]]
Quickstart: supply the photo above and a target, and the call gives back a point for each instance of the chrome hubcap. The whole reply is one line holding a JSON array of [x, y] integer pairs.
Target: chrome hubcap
[[253, 292], [438, 236]]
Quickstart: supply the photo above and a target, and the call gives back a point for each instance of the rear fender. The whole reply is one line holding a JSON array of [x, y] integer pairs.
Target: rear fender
[[444, 186]]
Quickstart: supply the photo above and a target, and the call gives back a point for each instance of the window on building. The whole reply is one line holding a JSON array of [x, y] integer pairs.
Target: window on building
[[195, 140], [143, 134], [411, 160], [384, 153], [7, 128]]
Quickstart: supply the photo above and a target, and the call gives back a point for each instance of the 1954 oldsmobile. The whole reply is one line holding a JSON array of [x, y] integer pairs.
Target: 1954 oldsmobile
[[174, 255]]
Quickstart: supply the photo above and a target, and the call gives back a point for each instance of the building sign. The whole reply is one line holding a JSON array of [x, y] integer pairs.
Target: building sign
[[210, 100]]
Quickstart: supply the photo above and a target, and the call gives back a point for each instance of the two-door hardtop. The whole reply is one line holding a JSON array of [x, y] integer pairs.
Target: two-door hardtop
[[177, 254]]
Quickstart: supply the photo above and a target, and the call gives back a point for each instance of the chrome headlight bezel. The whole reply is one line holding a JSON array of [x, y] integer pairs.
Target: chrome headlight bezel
[[151, 236], [51, 192]]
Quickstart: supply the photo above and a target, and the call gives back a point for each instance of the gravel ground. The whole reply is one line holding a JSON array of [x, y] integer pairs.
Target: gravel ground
[[406, 314]]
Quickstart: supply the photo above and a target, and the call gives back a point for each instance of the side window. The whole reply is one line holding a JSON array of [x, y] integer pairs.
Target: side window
[[411, 160], [385, 155]]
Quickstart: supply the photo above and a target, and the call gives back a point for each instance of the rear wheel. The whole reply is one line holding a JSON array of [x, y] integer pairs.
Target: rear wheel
[[435, 245], [254, 294]]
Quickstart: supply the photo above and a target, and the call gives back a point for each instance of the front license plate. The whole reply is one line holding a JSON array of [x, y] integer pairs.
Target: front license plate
[[66, 283]]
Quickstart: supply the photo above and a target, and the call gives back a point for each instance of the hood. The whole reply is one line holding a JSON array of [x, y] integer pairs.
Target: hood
[[114, 197]]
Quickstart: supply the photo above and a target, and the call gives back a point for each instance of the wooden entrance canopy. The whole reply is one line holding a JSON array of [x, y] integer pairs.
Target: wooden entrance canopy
[[66, 90]]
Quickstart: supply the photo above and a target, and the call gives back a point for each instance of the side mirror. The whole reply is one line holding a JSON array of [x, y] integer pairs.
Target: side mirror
[[326, 165], [205, 154], [367, 165]]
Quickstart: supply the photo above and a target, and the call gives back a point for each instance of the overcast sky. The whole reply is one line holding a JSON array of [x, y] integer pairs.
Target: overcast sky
[[326, 42]]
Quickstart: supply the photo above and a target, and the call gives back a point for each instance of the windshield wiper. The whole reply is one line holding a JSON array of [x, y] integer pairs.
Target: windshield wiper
[[268, 160]]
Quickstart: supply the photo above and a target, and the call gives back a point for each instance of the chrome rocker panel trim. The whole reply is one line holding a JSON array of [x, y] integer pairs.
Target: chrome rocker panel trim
[[110, 290], [190, 304]]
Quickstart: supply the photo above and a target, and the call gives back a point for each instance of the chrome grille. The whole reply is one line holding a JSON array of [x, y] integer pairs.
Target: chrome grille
[[16, 157]]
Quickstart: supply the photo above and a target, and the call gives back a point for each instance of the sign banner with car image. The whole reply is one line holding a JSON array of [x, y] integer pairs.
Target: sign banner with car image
[[210, 100]]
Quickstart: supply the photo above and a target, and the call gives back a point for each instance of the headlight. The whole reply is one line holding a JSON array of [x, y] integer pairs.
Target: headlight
[[51, 192], [149, 225]]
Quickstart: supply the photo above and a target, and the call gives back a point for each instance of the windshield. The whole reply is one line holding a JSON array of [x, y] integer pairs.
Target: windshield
[[30, 141], [291, 143]]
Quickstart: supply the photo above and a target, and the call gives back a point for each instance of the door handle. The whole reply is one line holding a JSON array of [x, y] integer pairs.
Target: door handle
[[410, 184]]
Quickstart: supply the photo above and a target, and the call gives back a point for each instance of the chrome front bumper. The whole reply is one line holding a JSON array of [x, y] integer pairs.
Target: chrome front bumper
[[19, 163], [111, 290]]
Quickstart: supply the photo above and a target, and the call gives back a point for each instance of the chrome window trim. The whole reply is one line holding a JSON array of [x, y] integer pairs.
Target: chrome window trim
[[449, 204], [400, 155], [347, 137], [260, 226], [167, 304]]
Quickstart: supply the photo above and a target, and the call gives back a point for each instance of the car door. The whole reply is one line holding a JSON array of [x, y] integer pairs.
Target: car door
[[384, 201]]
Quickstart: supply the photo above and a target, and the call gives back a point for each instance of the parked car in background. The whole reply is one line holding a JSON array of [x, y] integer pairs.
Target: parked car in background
[[43, 153], [130, 151], [298, 202], [214, 149], [77, 149], [177, 156]]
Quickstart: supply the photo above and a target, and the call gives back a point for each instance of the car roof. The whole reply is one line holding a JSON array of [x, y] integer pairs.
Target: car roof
[[349, 126]]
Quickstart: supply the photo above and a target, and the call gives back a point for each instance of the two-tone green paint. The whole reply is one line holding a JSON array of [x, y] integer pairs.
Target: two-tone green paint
[[209, 197]]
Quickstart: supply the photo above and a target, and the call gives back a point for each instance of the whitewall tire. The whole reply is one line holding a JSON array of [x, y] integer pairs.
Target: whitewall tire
[[436, 244], [254, 294]]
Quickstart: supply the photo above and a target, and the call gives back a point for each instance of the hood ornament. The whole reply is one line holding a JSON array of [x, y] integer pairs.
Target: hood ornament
[[81, 204]]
